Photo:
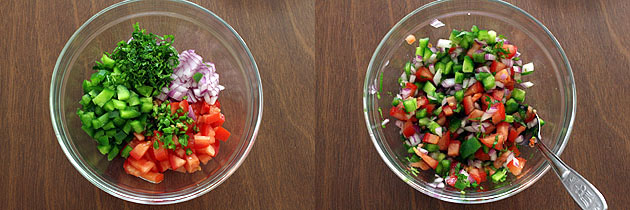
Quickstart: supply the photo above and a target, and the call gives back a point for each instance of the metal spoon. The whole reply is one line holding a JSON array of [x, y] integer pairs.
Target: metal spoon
[[582, 191]]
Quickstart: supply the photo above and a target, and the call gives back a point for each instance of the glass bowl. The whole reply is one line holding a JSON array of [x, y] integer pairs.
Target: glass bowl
[[194, 27], [553, 94]]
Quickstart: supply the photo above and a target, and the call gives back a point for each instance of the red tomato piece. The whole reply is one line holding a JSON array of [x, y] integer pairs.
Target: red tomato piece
[[475, 88], [503, 76], [138, 136], [184, 105], [515, 132], [221, 133], [499, 116], [482, 155], [219, 122], [411, 86], [430, 138], [511, 50], [498, 163], [489, 140], [143, 165], [497, 66], [447, 111], [428, 159], [176, 162], [408, 129], [515, 150], [140, 149], [468, 104], [429, 107], [478, 175], [475, 115], [398, 113], [453, 148], [423, 74], [203, 158], [153, 177], [206, 129], [444, 141], [161, 153], [516, 165], [192, 163], [203, 141], [179, 152], [420, 164], [174, 107], [130, 169], [473, 49], [497, 94], [164, 165]]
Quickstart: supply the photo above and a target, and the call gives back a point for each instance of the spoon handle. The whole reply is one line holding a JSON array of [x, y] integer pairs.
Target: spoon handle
[[582, 191]]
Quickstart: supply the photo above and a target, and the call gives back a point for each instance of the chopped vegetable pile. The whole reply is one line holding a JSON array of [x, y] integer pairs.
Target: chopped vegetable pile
[[125, 107], [461, 109]]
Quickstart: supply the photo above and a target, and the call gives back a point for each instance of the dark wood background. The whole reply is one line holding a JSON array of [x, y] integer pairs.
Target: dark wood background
[[312, 151]]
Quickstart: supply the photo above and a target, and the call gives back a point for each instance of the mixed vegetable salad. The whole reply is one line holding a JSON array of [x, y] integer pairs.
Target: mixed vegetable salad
[[154, 107], [461, 109]]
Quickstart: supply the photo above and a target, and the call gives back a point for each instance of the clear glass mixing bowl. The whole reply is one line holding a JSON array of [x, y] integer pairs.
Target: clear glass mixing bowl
[[553, 94], [195, 28]]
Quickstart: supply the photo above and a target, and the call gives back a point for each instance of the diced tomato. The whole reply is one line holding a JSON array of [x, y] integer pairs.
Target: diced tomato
[[143, 165], [138, 136], [473, 49], [497, 66], [497, 94], [515, 150], [420, 164], [408, 129], [503, 76], [451, 180], [501, 159], [160, 154], [428, 159], [475, 115], [209, 150], [444, 141], [429, 107], [447, 111], [489, 129], [174, 107], [515, 132], [482, 155], [203, 141], [475, 88], [164, 165], [212, 117], [502, 131], [478, 175], [180, 170], [489, 140], [192, 163], [468, 104], [140, 149], [412, 87], [398, 113], [153, 177], [176, 162], [529, 115], [215, 146], [511, 50], [499, 116], [423, 74], [179, 152], [453, 148], [219, 122], [130, 169], [421, 101], [516, 165], [441, 120], [489, 169], [430, 138], [184, 105], [205, 108], [203, 158], [452, 102]]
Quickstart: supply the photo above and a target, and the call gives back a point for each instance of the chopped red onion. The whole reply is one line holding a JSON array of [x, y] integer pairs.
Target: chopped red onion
[[518, 62], [519, 139], [437, 77], [507, 62], [482, 43], [457, 87], [490, 57], [436, 23], [499, 84], [414, 139], [493, 154], [405, 92], [399, 124], [517, 69], [183, 83], [527, 84], [191, 113], [482, 69], [443, 43]]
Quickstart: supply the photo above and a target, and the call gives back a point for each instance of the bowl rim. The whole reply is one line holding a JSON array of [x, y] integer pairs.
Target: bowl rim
[[455, 199], [154, 199]]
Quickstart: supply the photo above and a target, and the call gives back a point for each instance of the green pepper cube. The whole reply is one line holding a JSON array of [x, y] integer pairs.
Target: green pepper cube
[[112, 153], [459, 78], [129, 113], [467, 65], [469, 147], [421, 114], [511, 106], [518, 95], [137, 126], [103, 97], [104, 149], [448, 68], [488, 83], [432, 147], [428, 88], [123, 93]]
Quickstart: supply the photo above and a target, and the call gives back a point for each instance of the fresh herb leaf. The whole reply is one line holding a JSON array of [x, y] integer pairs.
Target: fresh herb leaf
[[197, 76]]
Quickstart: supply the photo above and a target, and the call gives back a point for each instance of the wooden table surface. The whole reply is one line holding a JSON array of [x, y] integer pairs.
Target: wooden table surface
[[312, 151]]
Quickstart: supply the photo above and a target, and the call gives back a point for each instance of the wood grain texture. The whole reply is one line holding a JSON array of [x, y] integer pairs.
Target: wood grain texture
[[277, 173], [592, 33]]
